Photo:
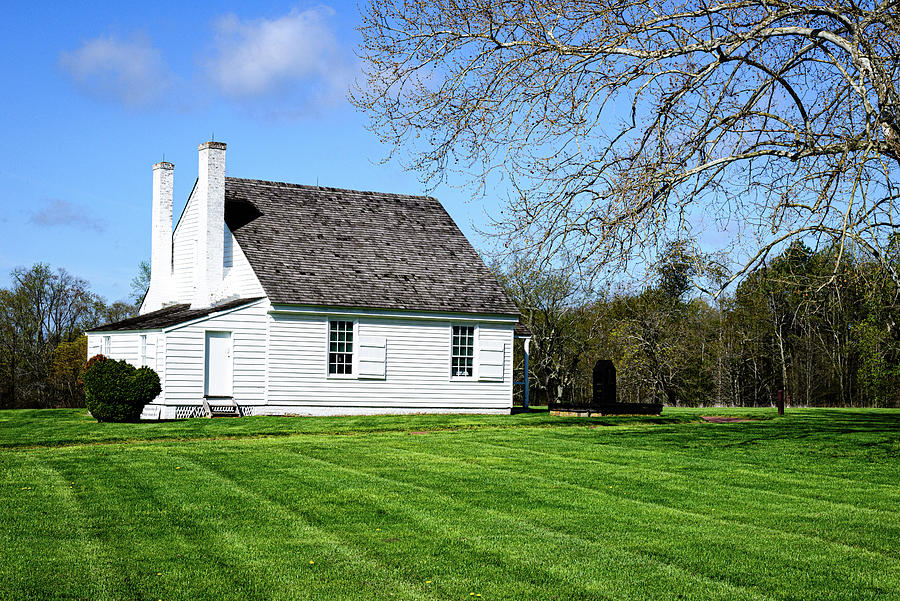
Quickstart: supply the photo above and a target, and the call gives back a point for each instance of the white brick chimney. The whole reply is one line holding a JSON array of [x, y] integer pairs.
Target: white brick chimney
[[210, 195], [161, 291]]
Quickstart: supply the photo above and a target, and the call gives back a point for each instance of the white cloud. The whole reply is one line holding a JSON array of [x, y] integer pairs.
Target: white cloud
[[129, 71], [57, 212], [296, 56]]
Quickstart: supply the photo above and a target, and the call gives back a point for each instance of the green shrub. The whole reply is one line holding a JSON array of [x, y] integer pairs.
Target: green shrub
[[115, 391]]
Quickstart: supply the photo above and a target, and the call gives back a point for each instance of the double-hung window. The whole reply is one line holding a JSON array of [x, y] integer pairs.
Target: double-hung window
[[462, 352], [340, 347]]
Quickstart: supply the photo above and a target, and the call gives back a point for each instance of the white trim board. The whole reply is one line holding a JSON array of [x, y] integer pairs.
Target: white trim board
[[392, 314]]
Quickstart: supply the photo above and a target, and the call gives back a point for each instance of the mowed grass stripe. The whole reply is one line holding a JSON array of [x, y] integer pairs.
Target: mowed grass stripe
[[349, 558], [448, 552], [595, 446], [808, 557], [592, 545], [42, 554], [133, 522], [711, 471], [664, 540], [683, 499], [598, 564], [852, 524], [858, 447], [705, 587], [760, 445], [261, 553]]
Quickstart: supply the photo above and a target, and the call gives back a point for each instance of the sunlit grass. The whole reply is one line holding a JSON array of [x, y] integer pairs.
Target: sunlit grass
[[517, 507]]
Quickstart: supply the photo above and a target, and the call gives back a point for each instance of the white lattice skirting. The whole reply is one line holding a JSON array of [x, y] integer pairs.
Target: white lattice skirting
[[156, 412]]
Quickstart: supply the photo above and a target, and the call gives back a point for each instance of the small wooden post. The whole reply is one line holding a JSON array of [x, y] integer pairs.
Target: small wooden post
[[525, 398], [780, 402]]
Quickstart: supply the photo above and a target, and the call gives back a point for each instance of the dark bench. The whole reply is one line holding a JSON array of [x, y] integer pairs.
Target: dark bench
[[607, 409]]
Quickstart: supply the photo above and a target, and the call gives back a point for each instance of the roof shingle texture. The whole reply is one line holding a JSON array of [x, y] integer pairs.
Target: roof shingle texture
[[169, 316], [325, 246]]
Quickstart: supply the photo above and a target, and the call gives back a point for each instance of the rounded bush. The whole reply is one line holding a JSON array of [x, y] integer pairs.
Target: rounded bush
[[116, 391]]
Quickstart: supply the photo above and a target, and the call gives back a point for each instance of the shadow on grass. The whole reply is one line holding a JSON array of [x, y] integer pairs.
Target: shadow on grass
[[868, 428], [836, 421]]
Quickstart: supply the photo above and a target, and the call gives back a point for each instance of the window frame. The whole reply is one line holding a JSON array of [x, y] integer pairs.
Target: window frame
[[354, 355], [142, 352], [474, 376]]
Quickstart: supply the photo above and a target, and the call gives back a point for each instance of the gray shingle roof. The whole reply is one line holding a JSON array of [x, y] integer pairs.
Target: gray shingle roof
[[325, 246], [169, 316]]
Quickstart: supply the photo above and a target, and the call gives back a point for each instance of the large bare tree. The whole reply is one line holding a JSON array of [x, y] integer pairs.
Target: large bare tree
[[619, 126]]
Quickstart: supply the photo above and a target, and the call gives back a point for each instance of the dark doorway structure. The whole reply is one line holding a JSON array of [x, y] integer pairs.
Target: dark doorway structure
[[603, 400]]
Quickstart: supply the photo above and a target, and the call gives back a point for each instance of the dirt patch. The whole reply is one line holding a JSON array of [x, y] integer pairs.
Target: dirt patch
[[719, 419]]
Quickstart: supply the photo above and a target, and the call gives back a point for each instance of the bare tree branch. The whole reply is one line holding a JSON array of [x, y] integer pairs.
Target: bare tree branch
[[621, 126]]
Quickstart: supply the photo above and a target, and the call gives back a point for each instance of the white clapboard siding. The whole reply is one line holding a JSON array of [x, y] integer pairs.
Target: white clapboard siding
[[185, 348], [401, 365], [240, 280], [491, 359], [161, 365], [184, 243], [372, 355], [127, 346], [417, 368], [122, 346], [95, 345]]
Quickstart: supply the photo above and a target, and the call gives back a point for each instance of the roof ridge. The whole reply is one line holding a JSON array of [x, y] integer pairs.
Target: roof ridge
[[271, 183]]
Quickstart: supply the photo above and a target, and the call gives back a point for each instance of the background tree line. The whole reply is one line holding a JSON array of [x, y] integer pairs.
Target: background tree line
[[43, 317], [820, 325], [616, 129], [826, 335]]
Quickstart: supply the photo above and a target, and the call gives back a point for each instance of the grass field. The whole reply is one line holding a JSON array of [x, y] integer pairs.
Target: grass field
[[452, 507]]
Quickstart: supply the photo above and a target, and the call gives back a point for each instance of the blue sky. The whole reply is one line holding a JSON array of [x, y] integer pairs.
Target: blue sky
[[94, 95]]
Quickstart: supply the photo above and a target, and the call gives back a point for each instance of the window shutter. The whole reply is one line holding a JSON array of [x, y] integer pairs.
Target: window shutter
[[491, 356], [151, 352], [372, 355]]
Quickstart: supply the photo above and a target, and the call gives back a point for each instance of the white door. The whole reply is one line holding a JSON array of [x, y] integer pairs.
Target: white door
[[218, 364]]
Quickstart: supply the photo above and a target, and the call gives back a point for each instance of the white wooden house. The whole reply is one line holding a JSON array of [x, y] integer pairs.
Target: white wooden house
[[278, 298]]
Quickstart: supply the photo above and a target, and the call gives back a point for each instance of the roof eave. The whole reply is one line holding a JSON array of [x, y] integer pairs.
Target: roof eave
[[321, 308]]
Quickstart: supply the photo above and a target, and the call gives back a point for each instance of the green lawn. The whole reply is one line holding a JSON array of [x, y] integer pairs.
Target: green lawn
[[506, 507]]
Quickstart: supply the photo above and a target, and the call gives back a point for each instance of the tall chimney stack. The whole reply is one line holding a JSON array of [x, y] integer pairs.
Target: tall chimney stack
[[161, 289], [211, 223]]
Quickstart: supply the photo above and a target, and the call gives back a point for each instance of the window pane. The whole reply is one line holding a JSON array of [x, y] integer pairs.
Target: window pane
[[462, 351], [340, 347]]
